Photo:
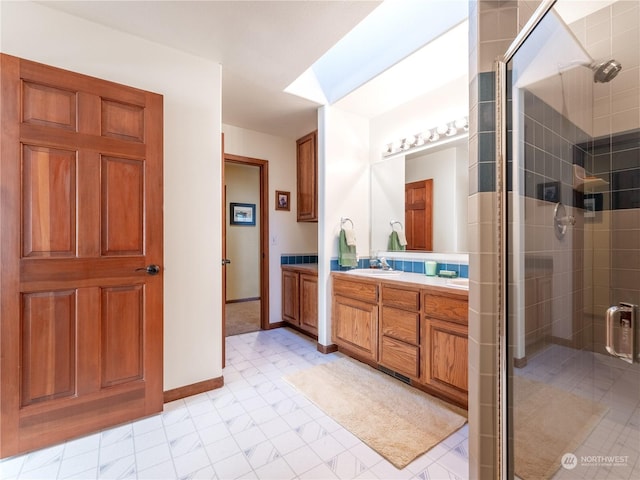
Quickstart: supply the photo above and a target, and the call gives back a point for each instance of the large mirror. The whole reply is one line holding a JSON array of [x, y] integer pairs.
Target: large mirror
[[448, 166]]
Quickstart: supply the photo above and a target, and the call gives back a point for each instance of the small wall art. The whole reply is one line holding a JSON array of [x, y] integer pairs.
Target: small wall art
[[282, 200], [242, 214]]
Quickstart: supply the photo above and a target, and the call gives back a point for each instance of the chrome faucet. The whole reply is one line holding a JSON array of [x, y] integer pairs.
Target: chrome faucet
[[384, 265]]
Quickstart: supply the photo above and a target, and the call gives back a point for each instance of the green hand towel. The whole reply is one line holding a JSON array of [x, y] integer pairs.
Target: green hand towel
[[346, 253], [394, 242]]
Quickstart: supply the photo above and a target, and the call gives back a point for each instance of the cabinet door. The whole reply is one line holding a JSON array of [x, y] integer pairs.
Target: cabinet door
[[307, 178], [446, 358], [355, 326], [309, 303], [290, 297]]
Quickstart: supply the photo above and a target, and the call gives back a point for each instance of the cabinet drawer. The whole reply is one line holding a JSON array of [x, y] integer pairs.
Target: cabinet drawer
[[400, 357], [446, 308], [401, 325], [401, 298], [367, 292]]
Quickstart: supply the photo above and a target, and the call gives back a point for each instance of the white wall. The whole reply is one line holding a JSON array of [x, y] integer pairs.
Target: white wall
[[191, 88], [344, 191], [243, 241], [286, 234]]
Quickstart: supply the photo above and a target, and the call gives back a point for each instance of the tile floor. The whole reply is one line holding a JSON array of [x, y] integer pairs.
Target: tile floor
[[255, 427]]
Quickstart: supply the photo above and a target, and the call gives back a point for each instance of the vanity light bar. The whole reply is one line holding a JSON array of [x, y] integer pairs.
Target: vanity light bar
[[433, 135]]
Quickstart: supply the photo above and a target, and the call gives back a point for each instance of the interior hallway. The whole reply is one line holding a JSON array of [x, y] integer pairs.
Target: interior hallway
[[255, 427]]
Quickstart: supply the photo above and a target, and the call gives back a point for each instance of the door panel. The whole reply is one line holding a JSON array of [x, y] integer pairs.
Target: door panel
[[122, 206], [48, 336], [81, 212], [122, 330], [49, 188]]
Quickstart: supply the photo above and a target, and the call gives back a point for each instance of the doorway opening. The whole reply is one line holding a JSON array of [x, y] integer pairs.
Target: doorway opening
[[245, 245]]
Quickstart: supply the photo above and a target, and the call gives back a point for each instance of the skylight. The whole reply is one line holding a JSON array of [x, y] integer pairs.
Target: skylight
[[393, 31]]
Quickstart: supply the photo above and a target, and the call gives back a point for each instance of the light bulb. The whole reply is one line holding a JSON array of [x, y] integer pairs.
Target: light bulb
[[434, 137], [442, 129], [462, 123], [452, 131]]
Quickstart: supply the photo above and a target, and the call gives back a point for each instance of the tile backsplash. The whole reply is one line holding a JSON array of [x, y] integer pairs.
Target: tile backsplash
[[298, 258], [414, 262]]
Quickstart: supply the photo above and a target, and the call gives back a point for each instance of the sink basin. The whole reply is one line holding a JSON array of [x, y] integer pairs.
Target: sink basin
[[458, 283], [377, 272]]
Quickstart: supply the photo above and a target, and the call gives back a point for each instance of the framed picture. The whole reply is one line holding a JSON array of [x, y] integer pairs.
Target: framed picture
[[282, 200], [549, 192], [242, 214]]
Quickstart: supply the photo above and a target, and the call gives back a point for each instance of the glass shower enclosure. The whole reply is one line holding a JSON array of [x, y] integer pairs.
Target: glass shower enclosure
[[571, 180]]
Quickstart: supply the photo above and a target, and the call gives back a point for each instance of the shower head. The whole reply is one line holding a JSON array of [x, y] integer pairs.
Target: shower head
[[603, 72], [606, 71]]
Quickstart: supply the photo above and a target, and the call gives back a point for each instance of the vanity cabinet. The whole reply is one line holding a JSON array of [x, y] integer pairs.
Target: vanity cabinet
[[309, 303], [417, 331], [355, 318], [445, 363], [399, 347], [300, 298], [307, 177]]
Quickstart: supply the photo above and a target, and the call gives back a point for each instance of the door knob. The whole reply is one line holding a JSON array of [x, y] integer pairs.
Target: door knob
[[150, 269], [225, 261]]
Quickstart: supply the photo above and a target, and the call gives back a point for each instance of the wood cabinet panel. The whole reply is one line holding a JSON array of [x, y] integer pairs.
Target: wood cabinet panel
[[290, 297], [400, 357], [446, 360], [367, 292], [446, 307], [400, 324], [307, 178], [401, 298], [309, 302], [355, 326]]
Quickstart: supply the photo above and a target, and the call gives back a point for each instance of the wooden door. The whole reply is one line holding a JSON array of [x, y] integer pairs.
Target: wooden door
[[418, 215], [81, 252]]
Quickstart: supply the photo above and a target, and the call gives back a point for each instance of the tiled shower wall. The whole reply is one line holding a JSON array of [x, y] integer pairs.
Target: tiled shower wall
[[493, 26], [614, 233]]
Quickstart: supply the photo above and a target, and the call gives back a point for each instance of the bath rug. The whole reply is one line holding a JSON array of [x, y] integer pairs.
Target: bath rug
[[548, 422], [396, 420]]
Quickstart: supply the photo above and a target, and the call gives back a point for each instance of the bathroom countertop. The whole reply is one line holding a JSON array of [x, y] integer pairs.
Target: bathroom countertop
[[307, 267], [416, 279]]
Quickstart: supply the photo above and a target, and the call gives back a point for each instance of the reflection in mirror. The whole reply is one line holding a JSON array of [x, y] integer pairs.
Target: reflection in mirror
[[448, 166]]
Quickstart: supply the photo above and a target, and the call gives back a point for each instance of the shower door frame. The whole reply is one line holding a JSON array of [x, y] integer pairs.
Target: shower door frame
[[505, 454]]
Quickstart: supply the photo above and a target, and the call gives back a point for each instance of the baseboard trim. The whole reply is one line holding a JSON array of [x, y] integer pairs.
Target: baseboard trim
[[327, 348], [240, 300], [271, 326], [193, 389]]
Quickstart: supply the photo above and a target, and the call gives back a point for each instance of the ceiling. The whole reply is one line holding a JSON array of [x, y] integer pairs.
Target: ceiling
[[263, 47]]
